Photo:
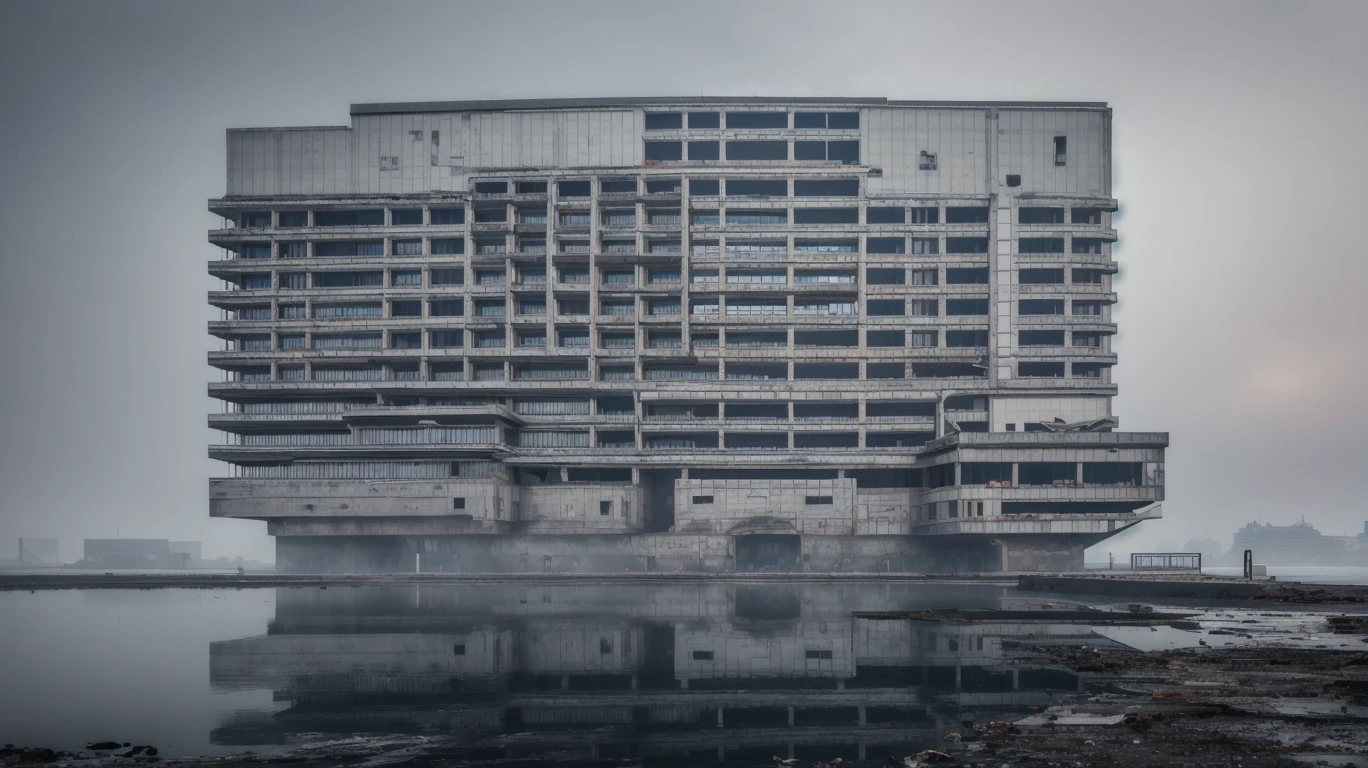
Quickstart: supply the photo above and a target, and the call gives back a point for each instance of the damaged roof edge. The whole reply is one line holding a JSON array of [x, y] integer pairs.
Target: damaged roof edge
[[502, 105]]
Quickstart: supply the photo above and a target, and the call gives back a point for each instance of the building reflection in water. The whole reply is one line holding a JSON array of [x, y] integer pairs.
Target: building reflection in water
[[660, 672]]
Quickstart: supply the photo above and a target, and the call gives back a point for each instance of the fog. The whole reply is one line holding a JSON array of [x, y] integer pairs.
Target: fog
[[1238, 135]]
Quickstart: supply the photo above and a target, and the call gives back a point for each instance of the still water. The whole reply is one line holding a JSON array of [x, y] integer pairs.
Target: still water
[[660, 672]]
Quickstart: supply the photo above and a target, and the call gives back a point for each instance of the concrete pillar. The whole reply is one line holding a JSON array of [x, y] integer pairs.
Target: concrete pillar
[[684, 683], [863, 721], [790, 716], [565, 682], [1016, 679], [719, 721], [958, 671]]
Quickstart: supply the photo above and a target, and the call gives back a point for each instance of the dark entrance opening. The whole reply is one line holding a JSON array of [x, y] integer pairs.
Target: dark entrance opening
[[760, 552]]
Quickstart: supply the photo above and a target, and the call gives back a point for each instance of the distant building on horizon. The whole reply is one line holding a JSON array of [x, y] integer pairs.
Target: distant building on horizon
[[132, 553], [191, 549], [39, 552], [1296, 544]]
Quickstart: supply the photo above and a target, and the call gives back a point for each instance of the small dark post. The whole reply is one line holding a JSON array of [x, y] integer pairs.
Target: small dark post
[[1249, 564]]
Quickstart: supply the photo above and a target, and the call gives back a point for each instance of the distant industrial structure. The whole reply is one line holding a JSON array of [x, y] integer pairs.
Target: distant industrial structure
[[676, 334], [133, 553], [1298, 544], [39, 552]]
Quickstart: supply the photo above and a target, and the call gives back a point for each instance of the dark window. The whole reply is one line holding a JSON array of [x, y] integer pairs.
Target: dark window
[[843, 121], [925, 245], [886, 371], [966, 215], [704, 150], [927, 161], [818, 500], [884, 276], [573, 188], [704, 120], [363, 218], [826, 188], [412, 308], [1087, 245], [256, 219], [664, 121], [1040, 338], [447, 215], [819, 654], [885, 339], [1113, 473], [966, 275], [1040, 276], [448, 246], [757, 150], [981, 472], [826, 216], [1040, 307], [809, 150], [531, 187], [702, 655], [406, 216], [809, 120], [458, 649], [447, 339], [294, 218], [757, 187], [1085, 277], [491, 187], [406, 340], [662, 186], [1013, 180], [455, 276], [664, 151], [458, 503], [757, 120], [1041, 245], [966, 245], [605, 507], [1076, 216], [1040, 215], [966, 306], [1040, 370], [1046, 472], [848, 152], [885, 245], [1061, 147], [704, 187], [1087, 370], [446, 307], [886, 307], [970, 338], [884, 215], [702, 499]]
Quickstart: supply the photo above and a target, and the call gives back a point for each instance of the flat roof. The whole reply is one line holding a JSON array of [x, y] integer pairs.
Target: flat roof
[[504, 105]]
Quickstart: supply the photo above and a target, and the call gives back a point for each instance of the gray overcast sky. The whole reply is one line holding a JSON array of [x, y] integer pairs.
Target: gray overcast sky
[[1239, 135]]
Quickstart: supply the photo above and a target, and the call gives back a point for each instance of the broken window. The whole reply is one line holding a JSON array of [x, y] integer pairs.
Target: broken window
[[1079, 216], [926, 161], [737, 120], [960, 307], [663, 186], [1084, 339], [966, 338], [704, 150], [702, 655], [1040, 276], [1040, 215], [1061, 150], [884, 338], [757, 150], [966, 275], [1013, 180], [704, 187], [1040, 307], [757, 188], [664, 121], [925, 215], [664, 151], [826, 187], [884, 276], [702, 500], [818, 500], [605, 507], [885, 215], [1051, 338]]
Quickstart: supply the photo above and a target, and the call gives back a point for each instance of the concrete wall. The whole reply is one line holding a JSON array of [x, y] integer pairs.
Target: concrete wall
[[738, 503], [1020, 411], [485, 499], [578, 508]]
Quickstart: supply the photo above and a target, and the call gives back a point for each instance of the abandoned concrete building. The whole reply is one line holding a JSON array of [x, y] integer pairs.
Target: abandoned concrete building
[[675, 334]]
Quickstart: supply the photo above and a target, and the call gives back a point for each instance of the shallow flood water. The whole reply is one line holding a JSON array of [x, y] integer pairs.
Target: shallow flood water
[[659, 671]]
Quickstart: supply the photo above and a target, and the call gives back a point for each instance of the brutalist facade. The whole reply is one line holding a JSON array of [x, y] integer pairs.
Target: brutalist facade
[[703, 334]]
